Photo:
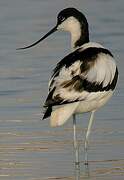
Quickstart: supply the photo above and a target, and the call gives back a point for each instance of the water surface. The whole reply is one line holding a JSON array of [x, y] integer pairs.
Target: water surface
[[29, 148]]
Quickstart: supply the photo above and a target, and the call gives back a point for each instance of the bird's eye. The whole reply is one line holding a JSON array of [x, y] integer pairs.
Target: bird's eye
[[61, 18]]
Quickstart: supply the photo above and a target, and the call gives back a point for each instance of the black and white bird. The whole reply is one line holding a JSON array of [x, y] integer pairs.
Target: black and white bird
[[84, 80]]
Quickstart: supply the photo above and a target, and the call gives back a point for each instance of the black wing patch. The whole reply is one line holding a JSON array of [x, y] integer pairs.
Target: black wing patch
[[87, 56], [79, 84], [50, 101]]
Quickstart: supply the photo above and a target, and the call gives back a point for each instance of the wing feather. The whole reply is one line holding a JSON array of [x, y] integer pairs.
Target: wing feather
[[81, 74]]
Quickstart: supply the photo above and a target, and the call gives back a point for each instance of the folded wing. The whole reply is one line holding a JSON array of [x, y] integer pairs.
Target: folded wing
[[80, 74]]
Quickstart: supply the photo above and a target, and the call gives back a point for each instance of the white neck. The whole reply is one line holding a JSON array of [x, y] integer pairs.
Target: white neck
[[75, 35], [71, 25]]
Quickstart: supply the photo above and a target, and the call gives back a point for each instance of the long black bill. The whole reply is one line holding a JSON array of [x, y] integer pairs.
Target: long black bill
[[50, 32]]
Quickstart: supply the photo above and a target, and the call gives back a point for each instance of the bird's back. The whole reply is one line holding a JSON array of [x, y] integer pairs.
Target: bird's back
[[85, 78]]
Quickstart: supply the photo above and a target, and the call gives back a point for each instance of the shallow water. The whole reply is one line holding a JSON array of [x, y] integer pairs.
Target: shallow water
[[29, 148]]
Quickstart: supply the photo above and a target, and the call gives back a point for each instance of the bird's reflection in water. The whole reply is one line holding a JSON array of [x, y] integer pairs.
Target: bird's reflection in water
[[86, 171], [77, 171], [81, 173]]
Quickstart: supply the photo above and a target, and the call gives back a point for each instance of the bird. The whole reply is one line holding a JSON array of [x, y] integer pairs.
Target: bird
[[83, 81]]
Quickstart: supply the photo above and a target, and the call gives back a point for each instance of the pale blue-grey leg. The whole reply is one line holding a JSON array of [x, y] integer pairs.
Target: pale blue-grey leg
[[76, 147], [87, 137]]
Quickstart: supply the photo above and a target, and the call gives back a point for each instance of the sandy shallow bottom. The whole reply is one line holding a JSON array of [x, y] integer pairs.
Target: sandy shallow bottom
[[26, 153]]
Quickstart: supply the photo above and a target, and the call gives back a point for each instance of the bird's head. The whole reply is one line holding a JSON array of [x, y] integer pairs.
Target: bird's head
[[71, 20]]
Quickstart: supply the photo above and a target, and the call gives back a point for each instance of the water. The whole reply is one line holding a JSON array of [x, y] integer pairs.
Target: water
[[29, 148]]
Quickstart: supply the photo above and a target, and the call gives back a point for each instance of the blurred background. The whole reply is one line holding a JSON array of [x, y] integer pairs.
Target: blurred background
[[29, 148]]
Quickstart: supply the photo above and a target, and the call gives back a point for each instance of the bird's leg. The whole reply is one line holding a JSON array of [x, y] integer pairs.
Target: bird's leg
[[87, 137], [76, 148]]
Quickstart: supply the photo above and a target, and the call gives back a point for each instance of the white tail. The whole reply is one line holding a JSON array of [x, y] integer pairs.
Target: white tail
[[61, 115]]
